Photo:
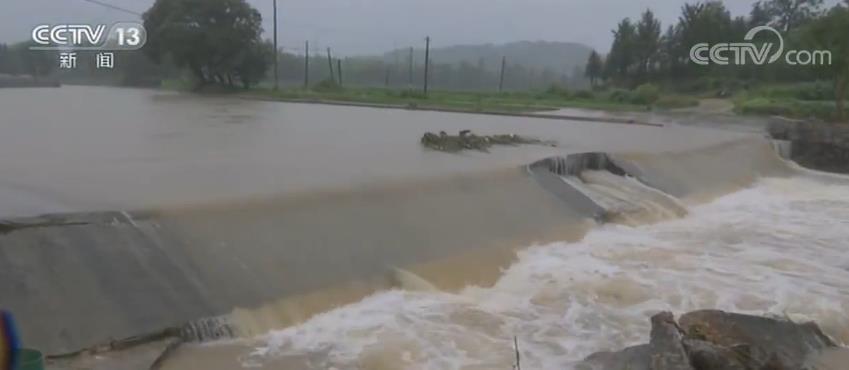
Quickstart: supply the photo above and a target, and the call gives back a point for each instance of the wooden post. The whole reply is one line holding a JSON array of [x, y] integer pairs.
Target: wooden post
[[339, 70], [501, 79], [330, 65], [276, 72], [307, 65], [427, 62], [410, 76]]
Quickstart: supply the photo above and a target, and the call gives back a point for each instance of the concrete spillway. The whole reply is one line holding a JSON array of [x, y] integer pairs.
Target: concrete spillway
[[80, 280]]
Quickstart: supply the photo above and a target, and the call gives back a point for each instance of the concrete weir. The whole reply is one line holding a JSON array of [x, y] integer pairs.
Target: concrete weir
[[78, 281]]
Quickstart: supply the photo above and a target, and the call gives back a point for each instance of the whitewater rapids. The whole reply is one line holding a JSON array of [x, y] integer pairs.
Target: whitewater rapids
[[777, 248]]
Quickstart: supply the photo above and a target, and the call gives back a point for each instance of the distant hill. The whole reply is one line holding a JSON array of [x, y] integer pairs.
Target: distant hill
[[560, 57]]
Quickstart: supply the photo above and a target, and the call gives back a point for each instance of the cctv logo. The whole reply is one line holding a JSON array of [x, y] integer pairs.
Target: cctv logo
[[68, 35], [742, 52]]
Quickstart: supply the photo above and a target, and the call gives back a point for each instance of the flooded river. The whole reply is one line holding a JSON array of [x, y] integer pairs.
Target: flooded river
[[323, 237], [777, 247], [95, 148]]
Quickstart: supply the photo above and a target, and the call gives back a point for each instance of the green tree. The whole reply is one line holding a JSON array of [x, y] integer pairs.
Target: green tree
[[648, 42], [787, 15], [760, 15], [623, 54], [37, 63], [212, 38], [9, 60], [594, 68], [708, 22], [830, 33], [254, 63]]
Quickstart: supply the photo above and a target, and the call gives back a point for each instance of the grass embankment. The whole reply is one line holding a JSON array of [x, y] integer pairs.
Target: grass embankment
[[813, 100], [475, 101]]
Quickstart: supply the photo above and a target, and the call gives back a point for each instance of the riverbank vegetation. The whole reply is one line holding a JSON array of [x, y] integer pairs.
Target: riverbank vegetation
[[643, 53], [216, 46]]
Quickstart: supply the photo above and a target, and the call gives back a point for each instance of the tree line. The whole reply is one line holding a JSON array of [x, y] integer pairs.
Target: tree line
[[220, 42], [642, 53]]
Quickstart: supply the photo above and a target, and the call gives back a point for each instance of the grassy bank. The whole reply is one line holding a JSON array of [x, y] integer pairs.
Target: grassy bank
[[466, 101], [814, 100], [473, 101]]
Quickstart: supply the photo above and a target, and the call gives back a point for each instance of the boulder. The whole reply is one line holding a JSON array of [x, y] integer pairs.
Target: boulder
[[778, 343], [708, 356], [717, 340], [665, 348], [631, 358]]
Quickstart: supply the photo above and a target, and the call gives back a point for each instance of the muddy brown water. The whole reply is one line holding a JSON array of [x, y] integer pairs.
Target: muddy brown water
[[299, 222], [96, 148]]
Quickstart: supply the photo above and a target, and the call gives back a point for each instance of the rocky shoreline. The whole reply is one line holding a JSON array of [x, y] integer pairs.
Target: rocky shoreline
[[717, 340], [818, 146]]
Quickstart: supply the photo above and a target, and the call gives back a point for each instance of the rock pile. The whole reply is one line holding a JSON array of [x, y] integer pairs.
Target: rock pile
[[717, 340], [466, 140]]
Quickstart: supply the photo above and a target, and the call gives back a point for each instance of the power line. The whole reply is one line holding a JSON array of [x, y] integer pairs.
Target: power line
[[114, 7]]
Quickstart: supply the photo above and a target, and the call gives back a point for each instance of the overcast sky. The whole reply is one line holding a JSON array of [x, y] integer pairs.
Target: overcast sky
[[374, 26]]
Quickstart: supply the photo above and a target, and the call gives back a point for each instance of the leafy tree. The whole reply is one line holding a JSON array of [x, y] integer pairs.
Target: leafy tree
[[212, 38], [623, 54], [787, 15], [9, 60], [594, 68], [254, 63], [36, 63], [648, 42], [830, 33], [760, 15], [708, 22]]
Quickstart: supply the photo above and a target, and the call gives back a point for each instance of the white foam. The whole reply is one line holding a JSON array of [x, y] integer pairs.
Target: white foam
[[778, 247]]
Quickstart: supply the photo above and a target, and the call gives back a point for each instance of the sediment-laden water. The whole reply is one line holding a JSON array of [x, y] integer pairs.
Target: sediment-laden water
[[265, 216], [777, 247]]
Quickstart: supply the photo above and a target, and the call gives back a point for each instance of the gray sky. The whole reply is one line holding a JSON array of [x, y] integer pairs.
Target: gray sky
[[375, 26]]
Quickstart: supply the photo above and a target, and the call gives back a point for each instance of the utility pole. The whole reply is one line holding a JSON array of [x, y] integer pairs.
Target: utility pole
[[330, 65], [410, 81], [307, 66], [339, 70], [501, 79], [276, 72], [427, 62]]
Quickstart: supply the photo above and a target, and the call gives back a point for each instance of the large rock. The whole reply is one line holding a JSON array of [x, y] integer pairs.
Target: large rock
[[665, 348], [631, 358], [764, 341], [705, 355], [717, 340]]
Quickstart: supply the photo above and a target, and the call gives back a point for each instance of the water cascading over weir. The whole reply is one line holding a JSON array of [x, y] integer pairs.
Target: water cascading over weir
[[78, 281]]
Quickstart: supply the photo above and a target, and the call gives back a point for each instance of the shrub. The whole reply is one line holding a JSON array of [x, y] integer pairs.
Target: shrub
[[646, 94], [327, 85], [620, 96], [413, 94], [559, 91], [802, 91], [788, 108], [584, 94], [676, 101]]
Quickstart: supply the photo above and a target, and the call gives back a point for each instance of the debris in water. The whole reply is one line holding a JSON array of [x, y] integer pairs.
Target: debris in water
[[466, 140]]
